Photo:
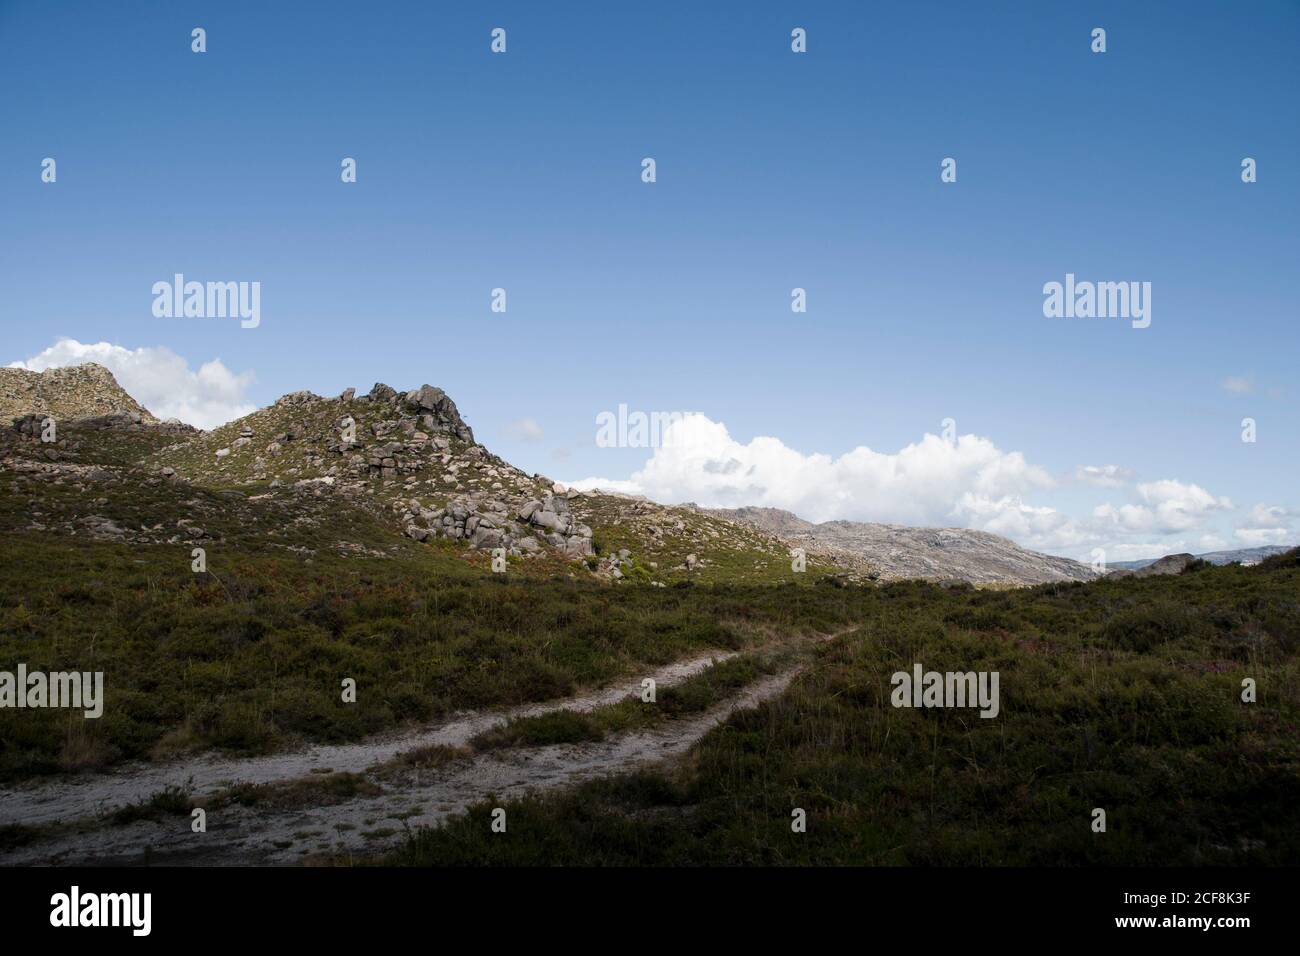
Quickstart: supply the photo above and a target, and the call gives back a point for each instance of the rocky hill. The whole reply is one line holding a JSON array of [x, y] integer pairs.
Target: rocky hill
[[1169, 564], [899, 552], [79, 391], [375, 474]]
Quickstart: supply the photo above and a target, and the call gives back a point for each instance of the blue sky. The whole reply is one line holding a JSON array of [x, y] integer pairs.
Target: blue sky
[[775, 170]]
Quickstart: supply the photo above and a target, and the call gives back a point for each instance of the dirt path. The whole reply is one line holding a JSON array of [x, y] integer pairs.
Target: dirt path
[[78, 797], [239, 834], [364, 825], [367, 825]]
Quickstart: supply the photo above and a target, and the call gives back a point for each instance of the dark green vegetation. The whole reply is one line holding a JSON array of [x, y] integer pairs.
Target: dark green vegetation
[[305, 586], [170, 801], [319, 791], [251, 655], [1122, 694]]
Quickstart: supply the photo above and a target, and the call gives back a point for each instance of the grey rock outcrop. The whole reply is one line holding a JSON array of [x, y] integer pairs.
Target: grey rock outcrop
[[486, 522], [438, 413], [900, 552]]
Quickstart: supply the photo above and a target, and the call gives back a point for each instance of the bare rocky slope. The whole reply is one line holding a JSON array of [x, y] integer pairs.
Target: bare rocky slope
[[79, 391], [900, 552]]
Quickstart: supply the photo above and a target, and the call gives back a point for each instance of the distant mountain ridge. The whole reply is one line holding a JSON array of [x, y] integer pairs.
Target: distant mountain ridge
[[900, 552], [1243, 555]]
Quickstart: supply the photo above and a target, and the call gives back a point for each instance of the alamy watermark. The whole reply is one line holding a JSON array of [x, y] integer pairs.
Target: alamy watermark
[[624, 429], [208, 300], [950, 689], [1098, 300], [130, 910], [37, 689]]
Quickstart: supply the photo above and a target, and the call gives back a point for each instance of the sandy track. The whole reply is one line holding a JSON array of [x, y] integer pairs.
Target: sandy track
[[361, 825], [247, 835], [368, 825]]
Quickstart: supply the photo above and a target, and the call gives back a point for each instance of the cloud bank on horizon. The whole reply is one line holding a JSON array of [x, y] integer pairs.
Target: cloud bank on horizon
[[158, 379], [966, 481]]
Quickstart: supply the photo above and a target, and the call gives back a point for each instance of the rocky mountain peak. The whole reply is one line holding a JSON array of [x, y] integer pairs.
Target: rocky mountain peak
[[73, 392], [438, 411], [433, 408]]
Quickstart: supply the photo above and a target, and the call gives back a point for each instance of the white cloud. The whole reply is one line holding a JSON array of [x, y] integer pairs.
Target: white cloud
[[926, 482], [1035, 526], [1178, 505], [1103, 476], [159, 379], [620, 485], [1269, 516], [525, 429], [1266, 524], [1168, 506], [1239, 385], [1259, 537], [969, 483]]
